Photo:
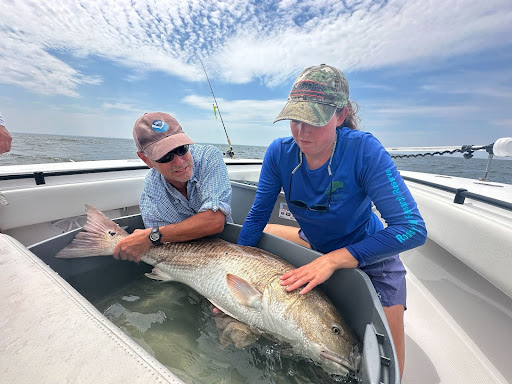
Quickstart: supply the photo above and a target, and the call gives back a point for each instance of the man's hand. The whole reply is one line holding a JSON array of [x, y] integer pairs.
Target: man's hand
[[133, 246]]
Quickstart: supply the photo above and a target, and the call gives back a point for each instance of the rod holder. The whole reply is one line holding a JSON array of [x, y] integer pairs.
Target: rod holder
[[459, 196]]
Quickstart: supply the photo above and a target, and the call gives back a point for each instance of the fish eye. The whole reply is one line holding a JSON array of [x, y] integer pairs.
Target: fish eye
[[337, 330]]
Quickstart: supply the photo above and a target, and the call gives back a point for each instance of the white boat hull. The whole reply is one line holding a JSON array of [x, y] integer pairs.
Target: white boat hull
[[459, 319]]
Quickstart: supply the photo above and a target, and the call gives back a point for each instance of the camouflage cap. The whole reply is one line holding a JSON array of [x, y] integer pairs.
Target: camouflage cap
[[316, 94]]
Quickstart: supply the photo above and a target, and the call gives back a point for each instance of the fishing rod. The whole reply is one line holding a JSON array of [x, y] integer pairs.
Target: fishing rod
[[229, 152]]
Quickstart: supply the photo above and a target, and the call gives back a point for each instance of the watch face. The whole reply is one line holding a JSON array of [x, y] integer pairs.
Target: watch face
[[155, 236]]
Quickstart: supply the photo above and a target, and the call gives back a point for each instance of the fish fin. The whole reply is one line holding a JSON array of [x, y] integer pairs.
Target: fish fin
[[244, 292], [221, 308], [158, 274], [98, 237]]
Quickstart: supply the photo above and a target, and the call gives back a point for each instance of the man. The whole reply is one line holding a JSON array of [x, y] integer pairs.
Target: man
[[5, 137], [187, 193]]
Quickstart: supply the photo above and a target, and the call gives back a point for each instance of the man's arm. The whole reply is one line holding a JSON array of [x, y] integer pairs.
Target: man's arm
[[200, 225], [5, 140]]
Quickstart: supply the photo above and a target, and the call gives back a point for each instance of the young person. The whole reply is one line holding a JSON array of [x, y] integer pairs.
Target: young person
[[331, 173]]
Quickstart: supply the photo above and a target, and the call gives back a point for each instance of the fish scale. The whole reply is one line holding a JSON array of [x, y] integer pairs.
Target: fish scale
[[245, 283], [193, 264]]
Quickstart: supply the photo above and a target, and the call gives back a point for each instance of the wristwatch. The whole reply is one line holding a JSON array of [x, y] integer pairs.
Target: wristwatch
[[155, 236]]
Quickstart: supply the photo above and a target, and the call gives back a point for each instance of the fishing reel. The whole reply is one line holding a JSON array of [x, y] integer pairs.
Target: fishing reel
[[229, 152], [467, 151]]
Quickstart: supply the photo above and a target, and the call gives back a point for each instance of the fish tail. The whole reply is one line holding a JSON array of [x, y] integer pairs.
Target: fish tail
[[98, 237]]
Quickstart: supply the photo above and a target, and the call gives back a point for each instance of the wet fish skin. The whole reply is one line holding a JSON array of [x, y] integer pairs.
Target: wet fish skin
[[244, 282]]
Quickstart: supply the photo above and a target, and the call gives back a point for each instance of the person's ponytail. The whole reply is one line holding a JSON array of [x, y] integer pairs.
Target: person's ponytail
[[352, 120]]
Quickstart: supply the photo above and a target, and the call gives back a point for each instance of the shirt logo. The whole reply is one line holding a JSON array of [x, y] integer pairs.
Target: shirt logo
[[159, 126], [335, 186]]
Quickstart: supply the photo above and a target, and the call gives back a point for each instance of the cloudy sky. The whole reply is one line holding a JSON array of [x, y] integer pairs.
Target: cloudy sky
[[424, 73]]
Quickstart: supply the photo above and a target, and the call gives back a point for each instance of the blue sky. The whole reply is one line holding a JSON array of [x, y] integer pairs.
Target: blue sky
[[424, 73]]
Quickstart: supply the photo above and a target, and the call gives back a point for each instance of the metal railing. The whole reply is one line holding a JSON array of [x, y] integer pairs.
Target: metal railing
[[461, 194], [40, 175]]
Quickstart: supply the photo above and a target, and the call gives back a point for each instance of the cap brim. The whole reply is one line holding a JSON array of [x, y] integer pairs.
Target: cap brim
[[157, 150], [310, 113]]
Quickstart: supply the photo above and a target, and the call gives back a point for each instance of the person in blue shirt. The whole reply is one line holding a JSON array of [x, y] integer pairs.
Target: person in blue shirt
[[187, 192], [331, 173]]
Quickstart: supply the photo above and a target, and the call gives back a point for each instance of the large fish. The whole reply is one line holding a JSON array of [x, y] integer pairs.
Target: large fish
[[244, 283]]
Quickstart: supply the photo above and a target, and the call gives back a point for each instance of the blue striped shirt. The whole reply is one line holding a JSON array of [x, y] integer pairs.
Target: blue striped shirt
[[208, 188]]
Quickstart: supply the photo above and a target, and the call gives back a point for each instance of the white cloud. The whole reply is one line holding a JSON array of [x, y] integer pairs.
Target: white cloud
[[477, 84], [119, 106], [505, 123], [26, 64], [241, 40], [400, 109], [373, 36], [240, 133], [238, 111]]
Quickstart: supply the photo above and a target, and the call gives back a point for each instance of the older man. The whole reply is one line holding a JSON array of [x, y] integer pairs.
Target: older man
[[187, 193]]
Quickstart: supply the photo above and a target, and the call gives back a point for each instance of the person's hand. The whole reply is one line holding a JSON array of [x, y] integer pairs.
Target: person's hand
[[5, 140], [216, 311], [132, 247], [318, 271], [312, 274]]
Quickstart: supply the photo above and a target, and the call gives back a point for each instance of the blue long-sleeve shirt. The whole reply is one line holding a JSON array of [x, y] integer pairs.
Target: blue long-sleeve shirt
[[362, 172]]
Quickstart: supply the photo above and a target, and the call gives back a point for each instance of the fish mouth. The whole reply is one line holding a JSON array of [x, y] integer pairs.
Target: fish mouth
[[345, 363]]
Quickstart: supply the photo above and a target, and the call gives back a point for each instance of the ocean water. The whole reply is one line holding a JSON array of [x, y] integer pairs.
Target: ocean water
[[175, 325], [37, 149]]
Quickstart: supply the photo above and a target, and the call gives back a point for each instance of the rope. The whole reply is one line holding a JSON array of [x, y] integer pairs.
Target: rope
[[467, 150]]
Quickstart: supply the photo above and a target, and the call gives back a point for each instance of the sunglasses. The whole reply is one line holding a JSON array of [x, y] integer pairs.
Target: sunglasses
[[302, 204], [169, 156]]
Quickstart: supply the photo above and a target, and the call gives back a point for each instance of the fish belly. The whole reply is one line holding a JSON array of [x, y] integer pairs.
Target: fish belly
[[204, 266]]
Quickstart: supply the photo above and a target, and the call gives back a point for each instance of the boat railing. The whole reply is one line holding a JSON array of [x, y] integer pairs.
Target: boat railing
[[39, 176], [462, 193]]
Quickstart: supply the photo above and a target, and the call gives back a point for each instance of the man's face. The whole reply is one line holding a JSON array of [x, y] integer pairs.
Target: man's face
[[176, 172]]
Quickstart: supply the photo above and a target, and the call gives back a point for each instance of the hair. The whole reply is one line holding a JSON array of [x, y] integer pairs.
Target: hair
[[352, 120]]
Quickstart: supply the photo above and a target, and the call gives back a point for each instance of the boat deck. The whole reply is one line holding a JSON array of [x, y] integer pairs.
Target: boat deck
[[448, 302], [458, 324], [44, 322], [443, 308]]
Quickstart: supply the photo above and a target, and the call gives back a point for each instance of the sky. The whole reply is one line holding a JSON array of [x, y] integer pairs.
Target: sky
[[424, 73]]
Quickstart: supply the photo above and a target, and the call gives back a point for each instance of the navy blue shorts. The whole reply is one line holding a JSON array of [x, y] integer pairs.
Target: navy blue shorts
[[387, 277]]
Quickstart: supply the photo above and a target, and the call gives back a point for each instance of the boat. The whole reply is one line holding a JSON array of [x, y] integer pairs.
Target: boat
[[458, 323]]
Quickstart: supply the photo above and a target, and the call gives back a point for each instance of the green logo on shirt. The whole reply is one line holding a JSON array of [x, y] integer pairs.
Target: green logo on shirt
[[335, 186]]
